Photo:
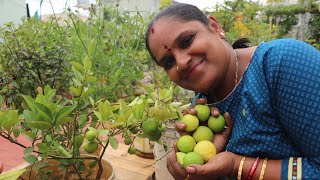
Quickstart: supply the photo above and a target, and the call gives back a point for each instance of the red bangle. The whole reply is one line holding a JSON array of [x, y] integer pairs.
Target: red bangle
[[253, 168]]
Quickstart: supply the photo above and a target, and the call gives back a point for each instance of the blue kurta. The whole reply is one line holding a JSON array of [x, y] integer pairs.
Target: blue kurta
[[276, 108]]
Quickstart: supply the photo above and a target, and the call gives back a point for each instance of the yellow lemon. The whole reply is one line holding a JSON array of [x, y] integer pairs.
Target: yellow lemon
[[206, 149]]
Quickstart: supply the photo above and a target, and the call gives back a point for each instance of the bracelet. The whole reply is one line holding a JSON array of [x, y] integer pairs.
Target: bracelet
[[240, 168], [253, 168], [263, 169]]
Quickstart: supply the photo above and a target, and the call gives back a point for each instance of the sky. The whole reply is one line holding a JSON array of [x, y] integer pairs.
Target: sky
[[59, 5]]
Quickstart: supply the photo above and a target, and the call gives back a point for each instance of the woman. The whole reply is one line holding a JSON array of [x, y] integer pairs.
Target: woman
[[271, 92]]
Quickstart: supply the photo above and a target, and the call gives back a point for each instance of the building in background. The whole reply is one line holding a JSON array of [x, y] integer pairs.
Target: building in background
[[12, 11]]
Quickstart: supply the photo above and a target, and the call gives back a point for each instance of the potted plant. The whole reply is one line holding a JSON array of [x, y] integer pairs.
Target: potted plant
[[59, 128]]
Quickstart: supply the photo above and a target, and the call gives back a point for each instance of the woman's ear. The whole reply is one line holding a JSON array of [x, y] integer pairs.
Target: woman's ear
[[215, 26]]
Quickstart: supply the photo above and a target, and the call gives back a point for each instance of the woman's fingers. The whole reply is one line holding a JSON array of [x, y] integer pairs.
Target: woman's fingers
[[174, 167], [215, 112], [190, 111], [201, 101], [221, 139]]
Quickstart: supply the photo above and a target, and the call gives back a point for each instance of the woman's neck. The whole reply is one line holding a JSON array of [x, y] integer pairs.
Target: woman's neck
[[236, 72]]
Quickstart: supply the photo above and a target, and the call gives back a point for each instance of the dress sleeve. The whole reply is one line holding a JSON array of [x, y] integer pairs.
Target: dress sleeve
[[293, 74]]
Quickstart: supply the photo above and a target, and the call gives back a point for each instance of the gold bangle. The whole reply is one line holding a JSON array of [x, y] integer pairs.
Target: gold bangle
[[263, 169], [240, 168]]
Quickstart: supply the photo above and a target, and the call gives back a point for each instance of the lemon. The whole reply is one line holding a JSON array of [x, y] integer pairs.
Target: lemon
[[186, 143], [127, 141], [91, 147], [132, 150], [191, 121], [180, 156], [216, 124], [150, 126], [90, 135], [206, 149], [202, 133], [203, 112], [192, 158]]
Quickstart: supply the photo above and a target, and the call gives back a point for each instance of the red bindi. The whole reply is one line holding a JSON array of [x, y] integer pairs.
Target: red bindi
[[165, 46], [169, 49]]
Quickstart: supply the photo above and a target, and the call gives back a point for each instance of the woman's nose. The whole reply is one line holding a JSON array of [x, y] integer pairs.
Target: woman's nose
[[182, 60]]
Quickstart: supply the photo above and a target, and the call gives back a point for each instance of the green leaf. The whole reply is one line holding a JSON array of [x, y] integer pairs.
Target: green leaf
[[64, 120], [87, 63], [78, 141], [113, 142], [118, 73], [49, 93], [42, 147], [63, 113], [31, 159], [27, 151], [92, 47], [44, 112], [91, 101], [12, 175], [30, 135], [77, 66], [42, 125], [16, 132], [29, 115], [138, 110], [29, 100]]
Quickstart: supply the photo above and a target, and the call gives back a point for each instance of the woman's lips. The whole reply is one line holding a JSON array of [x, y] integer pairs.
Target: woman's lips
[[192, 69]]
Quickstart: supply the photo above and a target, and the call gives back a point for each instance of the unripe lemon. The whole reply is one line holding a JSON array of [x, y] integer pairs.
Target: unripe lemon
[[127, 141], [149, 126], [186, 143], [191, 121], [90, 135], [206, 149], [192, 158], [202, 133], [203, 112], [180, 156], [216, 124], [91, 147], [132, 150]]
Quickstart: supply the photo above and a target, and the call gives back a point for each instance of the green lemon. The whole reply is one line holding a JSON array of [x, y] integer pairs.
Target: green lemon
[[203, 112], [192, 158], [127, 140], [191, 121], [91, 147], [186, 143], [206, 149], [202, 133], [90, 135], [180, 156], [216, 124], [149, 126], [154, 136], [132, 150]]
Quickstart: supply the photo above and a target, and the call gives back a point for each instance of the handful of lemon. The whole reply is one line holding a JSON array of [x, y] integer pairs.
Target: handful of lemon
[[198, 148]]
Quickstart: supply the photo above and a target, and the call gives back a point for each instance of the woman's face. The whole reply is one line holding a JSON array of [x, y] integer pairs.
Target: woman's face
[[200, 53]]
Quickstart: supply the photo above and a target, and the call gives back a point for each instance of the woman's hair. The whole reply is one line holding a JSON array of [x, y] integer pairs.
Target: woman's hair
[[185, 12]]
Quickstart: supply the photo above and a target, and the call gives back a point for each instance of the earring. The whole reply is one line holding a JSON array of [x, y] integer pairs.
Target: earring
[[178, 68], [222, 35]]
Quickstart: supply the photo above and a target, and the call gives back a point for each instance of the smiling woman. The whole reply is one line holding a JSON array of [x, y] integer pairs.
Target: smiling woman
[[271, 92]]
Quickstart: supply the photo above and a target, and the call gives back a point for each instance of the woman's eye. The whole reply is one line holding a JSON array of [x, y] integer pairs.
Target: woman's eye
[[168, 63], [187, 41]]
